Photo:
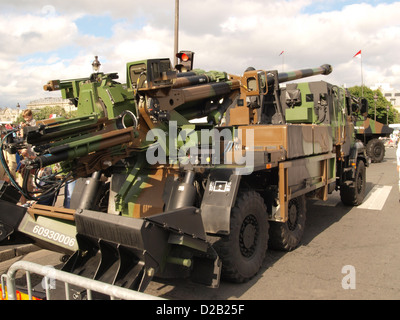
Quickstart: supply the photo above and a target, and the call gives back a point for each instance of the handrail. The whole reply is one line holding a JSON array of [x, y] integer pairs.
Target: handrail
[[90, 285]]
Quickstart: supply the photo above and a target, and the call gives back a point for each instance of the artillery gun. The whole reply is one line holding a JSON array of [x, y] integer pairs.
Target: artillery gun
[[159, 195]]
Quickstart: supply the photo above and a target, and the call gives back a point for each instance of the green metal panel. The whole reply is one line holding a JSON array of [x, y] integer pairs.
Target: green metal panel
[[299, 114], [305, 112]]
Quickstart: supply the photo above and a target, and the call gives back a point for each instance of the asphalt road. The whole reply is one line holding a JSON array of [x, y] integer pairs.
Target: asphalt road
[[346, 253]]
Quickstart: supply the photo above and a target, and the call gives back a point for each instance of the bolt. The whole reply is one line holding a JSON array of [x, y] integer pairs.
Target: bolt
[[150, 272]]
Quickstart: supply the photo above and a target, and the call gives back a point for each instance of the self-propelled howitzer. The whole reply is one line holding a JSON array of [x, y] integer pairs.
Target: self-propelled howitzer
[[154, 95], [172, 197]]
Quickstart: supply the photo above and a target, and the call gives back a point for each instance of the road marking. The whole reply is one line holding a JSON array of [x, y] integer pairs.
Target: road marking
[[376, 198]]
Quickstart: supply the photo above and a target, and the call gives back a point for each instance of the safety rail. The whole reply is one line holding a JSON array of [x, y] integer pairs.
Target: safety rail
[[50, 273]]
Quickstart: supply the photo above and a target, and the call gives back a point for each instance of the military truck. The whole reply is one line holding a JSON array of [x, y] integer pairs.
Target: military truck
[[159, 195], [369, 132]]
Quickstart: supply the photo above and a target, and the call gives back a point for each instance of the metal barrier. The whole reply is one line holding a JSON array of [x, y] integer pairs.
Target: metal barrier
[[51, 274]]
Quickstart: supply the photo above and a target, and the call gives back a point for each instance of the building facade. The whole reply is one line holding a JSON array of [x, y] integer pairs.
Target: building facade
[[391, 95], [9, 115], [51, 102]]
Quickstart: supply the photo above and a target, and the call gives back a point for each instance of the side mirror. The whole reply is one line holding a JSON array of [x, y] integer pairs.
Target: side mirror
[[364, 106]]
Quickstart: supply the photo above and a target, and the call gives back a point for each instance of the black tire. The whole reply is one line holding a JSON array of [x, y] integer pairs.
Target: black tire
[[353, 195], [287, 236], [242, 252], [376, 150]]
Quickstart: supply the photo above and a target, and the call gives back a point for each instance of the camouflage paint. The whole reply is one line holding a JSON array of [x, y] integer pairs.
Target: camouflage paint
[[369, 126], [305, 113], [304, 73]]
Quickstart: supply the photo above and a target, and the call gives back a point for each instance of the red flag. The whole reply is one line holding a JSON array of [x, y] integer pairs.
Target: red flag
[[281, 53], [359, 52]]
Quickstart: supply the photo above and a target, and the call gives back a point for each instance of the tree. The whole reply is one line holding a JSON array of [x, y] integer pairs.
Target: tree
[[382, 114], [44, 113]]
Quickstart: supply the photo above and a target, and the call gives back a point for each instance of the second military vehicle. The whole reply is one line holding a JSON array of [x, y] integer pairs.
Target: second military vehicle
[[370, 133]]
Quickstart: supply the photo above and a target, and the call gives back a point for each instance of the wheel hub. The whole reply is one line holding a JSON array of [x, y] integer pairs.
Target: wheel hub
[[377, 151], [248, 236]]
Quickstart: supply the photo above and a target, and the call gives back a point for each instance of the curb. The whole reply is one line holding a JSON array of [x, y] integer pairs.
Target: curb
[[17, 251]]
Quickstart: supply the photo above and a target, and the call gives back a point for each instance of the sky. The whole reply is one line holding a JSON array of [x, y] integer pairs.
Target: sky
[[45, 40]]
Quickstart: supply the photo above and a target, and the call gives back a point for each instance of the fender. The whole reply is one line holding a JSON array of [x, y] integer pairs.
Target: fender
[[218, 200], [358, 152]]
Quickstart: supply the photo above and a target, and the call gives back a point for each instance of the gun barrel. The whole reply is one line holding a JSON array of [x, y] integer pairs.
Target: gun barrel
[[56, 130], [83, 147], [325, 69]]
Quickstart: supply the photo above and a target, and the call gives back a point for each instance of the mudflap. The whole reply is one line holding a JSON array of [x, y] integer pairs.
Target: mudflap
[[128, 252]]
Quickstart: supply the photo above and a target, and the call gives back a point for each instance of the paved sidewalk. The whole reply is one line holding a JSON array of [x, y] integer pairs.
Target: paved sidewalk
[[8, 252]]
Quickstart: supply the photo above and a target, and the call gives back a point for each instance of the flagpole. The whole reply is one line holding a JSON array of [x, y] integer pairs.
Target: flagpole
[[176, 37], [362, 76]]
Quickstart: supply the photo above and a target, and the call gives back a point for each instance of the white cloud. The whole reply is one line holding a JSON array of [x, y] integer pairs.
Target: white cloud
[[25, 34], [43, 41]]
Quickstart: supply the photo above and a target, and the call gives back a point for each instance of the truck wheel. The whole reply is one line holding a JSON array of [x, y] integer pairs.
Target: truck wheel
[[287, 236], [376, 150], [242, 252], [353, 195]]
